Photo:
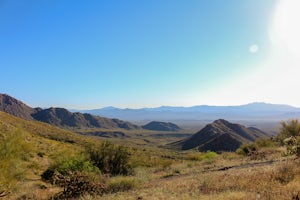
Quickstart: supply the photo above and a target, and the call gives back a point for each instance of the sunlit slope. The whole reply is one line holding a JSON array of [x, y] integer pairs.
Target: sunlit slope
[[27, 149], [9, 123]]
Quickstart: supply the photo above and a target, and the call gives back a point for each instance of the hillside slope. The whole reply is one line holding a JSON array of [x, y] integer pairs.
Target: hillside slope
[[220, 135], [9, 123], [27, 148]]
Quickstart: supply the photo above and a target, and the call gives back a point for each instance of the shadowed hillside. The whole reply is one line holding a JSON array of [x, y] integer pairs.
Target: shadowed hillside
[[220, 135], [161, 126], [63, 118], [59, 116]]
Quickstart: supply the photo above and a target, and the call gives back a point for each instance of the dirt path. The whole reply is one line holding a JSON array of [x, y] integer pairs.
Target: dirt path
[[225, 168], [246, 165]]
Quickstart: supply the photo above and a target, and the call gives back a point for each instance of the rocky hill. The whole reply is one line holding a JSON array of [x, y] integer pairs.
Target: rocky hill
[[63, 118], [15, 107], [161, 126], [59, 116], [220, 135]]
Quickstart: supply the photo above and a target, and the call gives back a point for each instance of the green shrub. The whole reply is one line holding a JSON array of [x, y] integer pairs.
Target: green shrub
[[76, 164], [77, 176], [247, 149], [209, 155], [121, 184], [64, 167], [111, 159]]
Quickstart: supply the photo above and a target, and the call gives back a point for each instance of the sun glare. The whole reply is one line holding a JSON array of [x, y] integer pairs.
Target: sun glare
[[253, 48], [287, 26]]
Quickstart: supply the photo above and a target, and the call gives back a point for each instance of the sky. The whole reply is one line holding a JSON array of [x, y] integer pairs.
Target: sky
[[96, 53]]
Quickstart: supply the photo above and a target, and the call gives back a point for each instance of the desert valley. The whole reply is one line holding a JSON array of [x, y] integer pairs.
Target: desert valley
[[57, 154]]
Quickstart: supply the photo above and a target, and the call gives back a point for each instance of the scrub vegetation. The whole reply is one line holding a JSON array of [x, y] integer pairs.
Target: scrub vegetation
[[39, 161]]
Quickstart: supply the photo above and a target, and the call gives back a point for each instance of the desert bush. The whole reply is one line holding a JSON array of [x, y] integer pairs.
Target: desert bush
[[80, 164], [78, 184], [209, 155], [77, 176], [247, 149], [121, 184], [71, 165], [111, 159], [14, 150]]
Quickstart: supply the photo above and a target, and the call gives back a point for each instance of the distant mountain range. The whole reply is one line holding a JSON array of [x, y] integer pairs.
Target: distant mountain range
[[203, 112], [59, 116], [220, 135]]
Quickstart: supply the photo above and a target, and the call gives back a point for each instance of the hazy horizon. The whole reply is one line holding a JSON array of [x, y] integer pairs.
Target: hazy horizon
[[135, 54]]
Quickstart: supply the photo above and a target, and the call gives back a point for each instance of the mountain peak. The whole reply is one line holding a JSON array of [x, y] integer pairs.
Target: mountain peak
[[15, 107], [220, 135], [221, 121]]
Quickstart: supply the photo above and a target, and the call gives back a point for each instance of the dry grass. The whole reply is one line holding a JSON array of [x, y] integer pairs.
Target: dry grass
[[280, 180], [159, 173]]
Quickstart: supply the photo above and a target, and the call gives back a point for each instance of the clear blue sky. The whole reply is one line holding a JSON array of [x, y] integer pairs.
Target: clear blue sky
[[133, 53]]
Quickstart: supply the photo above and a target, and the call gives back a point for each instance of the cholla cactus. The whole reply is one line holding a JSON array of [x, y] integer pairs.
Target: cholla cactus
[[292, 145]]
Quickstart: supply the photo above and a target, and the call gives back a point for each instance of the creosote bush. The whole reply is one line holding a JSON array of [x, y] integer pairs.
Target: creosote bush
[[111, 159]]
